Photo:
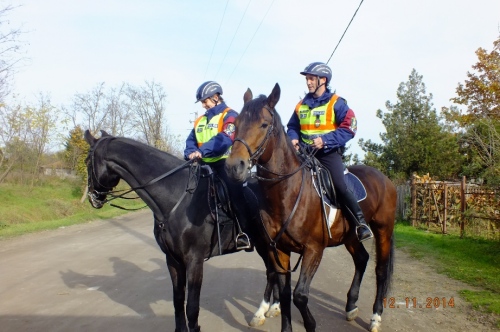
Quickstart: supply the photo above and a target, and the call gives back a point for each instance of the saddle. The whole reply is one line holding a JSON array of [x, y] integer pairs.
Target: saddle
[[353, 183], [323, 182], [228, 236], [326, 183]]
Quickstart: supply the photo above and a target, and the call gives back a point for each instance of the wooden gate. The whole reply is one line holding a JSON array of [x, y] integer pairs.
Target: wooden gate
[[451, 207]]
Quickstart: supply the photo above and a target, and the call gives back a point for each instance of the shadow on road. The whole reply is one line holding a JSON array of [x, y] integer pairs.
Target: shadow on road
[[224, 291]]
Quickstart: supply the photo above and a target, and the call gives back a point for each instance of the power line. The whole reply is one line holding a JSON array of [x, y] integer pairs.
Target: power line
[[251, 39], [215, 42], [231, 43], [345, 31]]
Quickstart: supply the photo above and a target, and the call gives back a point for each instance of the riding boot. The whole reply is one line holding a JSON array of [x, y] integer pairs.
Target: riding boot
[[356, 217]]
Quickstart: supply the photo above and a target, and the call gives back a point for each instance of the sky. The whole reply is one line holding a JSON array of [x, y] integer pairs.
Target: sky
[[72, 46]]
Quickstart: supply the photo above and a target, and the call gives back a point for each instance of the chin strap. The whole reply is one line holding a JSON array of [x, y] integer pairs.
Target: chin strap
[[319, 86]]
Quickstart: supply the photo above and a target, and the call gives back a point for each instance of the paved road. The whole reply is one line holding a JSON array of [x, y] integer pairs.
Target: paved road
[[111, 276]]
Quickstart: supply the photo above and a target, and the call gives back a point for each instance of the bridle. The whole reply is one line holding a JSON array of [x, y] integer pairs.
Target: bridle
[[254, 157], [253, 161], [114, 194], [91, 192]]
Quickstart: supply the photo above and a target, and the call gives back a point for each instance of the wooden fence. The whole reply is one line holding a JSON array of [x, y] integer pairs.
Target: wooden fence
[[451, 207]]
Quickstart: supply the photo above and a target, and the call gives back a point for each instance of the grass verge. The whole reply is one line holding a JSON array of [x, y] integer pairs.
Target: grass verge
[[53, 205], [473, 261]]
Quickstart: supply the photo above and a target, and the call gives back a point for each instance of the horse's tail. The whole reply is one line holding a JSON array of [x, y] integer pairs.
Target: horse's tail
[[386, 286]]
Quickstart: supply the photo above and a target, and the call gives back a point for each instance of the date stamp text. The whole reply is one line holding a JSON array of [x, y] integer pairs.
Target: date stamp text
[[414, 303]]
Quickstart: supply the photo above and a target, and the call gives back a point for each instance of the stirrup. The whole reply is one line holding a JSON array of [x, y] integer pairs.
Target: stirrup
[[242, 241], [370, 236]]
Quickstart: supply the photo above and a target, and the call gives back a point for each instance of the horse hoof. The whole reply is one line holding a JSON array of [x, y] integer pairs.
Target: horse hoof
[[351, 315], [257, 321], [375, 323], [274, 311]]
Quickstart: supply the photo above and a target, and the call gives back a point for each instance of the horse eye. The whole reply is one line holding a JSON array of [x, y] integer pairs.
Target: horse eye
[[264, 125]]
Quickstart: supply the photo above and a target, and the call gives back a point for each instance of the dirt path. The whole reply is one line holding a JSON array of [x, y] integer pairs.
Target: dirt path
[[111, 276]]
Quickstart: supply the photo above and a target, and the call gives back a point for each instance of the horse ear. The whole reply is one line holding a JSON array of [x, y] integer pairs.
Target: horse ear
[[274, 97], [247, 96], [89, 138], [103, 133]]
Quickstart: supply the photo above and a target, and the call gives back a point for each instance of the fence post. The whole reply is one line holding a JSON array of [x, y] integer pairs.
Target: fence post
[[413, 200], [462, 207], [445, 210]]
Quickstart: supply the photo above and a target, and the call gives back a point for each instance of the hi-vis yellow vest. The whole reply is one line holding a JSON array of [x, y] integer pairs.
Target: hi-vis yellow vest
[[318, 121], [205, 131]]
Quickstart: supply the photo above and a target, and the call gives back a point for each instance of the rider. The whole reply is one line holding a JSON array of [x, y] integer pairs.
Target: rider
[[212, 137], [323, 120]]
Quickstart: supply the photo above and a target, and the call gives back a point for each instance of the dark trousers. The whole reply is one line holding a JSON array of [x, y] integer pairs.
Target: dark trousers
[[333, 162]]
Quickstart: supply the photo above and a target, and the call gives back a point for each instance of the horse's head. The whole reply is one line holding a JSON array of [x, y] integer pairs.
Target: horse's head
[[254, 129], [100, 180]]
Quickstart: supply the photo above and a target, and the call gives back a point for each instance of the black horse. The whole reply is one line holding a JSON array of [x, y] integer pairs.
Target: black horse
[[184, 225]]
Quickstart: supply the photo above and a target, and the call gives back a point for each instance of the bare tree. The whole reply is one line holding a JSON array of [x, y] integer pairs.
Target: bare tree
[[12, 136], [148, 104], [90, 109], [40, 125], [10, 47], [25, 132], [120, 117]]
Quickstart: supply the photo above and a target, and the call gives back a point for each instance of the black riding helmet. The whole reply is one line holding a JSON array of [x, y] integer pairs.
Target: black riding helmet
[[207, 90]]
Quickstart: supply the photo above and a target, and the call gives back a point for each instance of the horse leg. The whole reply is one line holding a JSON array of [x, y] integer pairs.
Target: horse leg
[[308, 269], [285, 291], [360, 257], [178, 276], [194, 271], [275, 309], [283, 278], [265, 308], [383, 271]]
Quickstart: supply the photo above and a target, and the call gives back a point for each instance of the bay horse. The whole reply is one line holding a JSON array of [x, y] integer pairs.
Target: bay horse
[[184, 227], [292, 213]]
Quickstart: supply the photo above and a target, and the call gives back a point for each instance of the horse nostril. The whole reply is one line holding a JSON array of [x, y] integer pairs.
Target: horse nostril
[[242, 165]]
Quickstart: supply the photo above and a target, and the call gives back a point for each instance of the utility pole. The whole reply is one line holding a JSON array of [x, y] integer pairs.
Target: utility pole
[[195, 116]]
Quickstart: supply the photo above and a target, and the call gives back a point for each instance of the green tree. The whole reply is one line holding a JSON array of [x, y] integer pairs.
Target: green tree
[[479, 125], [25, 132], [414, 140], [76, 150]]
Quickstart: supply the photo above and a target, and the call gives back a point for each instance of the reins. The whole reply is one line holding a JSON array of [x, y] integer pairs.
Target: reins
[[253, 161], [112, 193], [253, 157]]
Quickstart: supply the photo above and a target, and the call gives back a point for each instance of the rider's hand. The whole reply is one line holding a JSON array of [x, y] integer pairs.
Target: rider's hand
[[295, 143], [195, 155], [318, 143]]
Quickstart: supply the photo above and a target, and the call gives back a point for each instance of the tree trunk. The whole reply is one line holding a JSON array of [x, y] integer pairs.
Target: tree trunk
[[85, 192]]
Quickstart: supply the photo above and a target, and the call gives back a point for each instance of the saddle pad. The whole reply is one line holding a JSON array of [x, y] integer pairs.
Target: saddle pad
[[354, 184]]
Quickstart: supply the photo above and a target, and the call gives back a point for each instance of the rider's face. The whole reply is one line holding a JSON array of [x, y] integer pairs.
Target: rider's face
[[209, 102], [312, 83]]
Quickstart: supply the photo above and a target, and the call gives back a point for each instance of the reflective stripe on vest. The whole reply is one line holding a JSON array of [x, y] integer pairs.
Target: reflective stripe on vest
[[318, 121], [205, 131]]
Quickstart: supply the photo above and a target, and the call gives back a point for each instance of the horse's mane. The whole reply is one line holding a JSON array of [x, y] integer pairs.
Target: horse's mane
[[147, 150]]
